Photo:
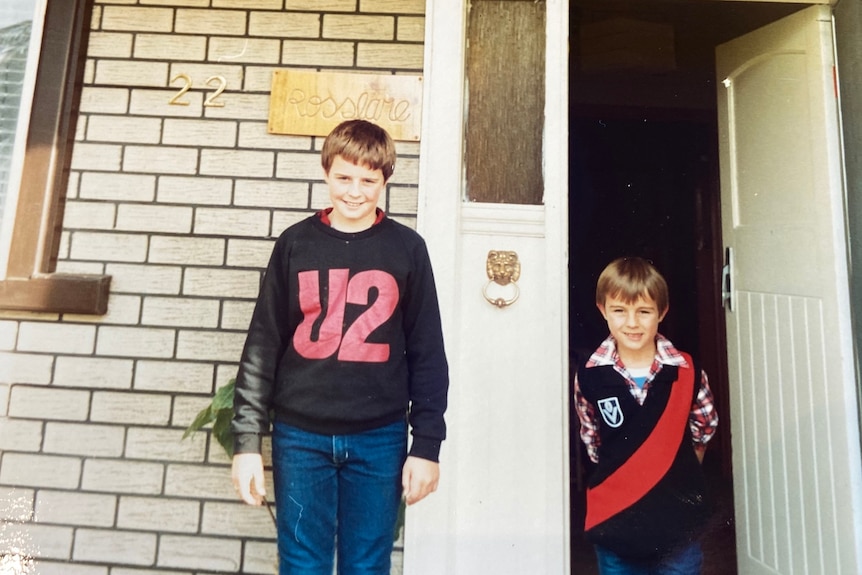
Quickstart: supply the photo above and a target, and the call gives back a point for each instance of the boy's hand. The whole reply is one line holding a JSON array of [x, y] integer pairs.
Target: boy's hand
[[247, 476], [419, 478]]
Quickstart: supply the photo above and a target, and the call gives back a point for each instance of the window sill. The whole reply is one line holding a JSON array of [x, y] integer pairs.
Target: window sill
[[57, 293]]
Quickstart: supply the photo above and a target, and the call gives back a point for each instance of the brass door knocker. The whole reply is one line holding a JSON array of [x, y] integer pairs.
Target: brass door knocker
[[503, 269]]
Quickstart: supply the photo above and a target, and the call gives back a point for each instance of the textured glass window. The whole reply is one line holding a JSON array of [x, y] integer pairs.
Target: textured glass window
[[16, 18], [505, 101]]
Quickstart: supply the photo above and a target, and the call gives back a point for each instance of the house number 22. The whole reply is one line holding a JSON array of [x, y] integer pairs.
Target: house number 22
[[210, 101]]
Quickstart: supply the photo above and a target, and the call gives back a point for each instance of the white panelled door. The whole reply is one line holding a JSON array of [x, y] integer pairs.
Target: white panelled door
[[502, 506], [796, 460]]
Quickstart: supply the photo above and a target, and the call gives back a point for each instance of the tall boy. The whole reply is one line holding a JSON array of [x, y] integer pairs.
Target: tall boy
[[345, 349], [646, 414]]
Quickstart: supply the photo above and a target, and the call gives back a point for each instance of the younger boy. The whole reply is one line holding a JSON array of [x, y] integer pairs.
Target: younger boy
[[345, 348], [646, 414]]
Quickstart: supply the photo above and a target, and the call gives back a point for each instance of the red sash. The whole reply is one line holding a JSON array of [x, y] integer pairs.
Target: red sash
[[645, 468]]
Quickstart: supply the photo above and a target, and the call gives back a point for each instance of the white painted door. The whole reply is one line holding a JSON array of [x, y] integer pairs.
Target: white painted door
[[502, 507], [796, 460]]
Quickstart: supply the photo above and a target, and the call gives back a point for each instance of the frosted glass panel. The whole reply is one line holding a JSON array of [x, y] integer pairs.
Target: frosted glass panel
[[505, 101]]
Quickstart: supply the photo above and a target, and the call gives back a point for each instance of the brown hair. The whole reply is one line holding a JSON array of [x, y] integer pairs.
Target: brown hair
[[631, 278], [362, 143]]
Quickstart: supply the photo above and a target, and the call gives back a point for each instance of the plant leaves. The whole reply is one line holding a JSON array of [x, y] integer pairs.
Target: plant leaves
[[224, 396], [220, 413], [203, 417], [222, 432]]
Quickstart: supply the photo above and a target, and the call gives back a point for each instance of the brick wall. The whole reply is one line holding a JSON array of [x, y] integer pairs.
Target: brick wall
[[180, 205]]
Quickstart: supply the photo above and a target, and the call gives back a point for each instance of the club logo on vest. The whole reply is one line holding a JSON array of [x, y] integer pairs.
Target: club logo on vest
[[611, 411]]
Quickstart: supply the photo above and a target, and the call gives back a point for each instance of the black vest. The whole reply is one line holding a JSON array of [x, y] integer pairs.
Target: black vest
[[637, 517]]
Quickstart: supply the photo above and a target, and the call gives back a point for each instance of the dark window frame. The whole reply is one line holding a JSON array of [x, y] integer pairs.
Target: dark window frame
[[31, 282]]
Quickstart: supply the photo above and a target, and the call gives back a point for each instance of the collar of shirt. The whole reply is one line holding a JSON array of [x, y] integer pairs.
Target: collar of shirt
[[324, 216], [666, 354]]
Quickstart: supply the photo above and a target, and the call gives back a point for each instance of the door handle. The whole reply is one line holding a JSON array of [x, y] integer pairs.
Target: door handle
[[727, 280]]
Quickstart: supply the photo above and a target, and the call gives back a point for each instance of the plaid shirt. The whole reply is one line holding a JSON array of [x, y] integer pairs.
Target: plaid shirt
[[702, 421]]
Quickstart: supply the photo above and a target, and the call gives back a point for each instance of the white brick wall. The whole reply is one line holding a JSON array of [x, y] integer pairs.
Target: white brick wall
[[44, 567], [186, 250], [25, 368], [194, 190], [75, 508], [162, 219], [83, 439], [245, 253], [211, 553], [190, 480], [8, 334], [158, 514], [135, 342], [271, 194], [174, 376], [121, 476], [104, 100], [199, 133], [118, 187], [93, 372], [36, 470], [181, 312], [138, 408], [236, 519], [221, 282], [144, 279], [167, 47], [180, 204], [284, 25], [49, 403], [20, 434], [108, 247], [51, 542], [232, 222], [108, 546]]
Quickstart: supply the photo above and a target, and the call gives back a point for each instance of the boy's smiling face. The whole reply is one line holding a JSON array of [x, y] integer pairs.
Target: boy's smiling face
[[353, 191], [634, 326]]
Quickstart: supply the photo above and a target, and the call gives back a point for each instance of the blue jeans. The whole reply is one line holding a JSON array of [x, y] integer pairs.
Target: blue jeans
[[341, 489], [684, 561]]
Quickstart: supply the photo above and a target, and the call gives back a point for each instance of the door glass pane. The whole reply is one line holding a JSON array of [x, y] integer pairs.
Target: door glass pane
[[505, 101], [16, 19]]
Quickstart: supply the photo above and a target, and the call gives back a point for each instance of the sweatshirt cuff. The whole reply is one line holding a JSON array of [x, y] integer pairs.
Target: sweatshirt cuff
[[425, 448], [246, 443]]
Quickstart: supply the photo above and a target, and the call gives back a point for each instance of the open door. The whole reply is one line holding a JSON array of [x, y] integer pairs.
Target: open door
[[793, 397]]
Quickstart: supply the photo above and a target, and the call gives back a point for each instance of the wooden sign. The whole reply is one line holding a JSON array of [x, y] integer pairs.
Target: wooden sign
[[308, 103]]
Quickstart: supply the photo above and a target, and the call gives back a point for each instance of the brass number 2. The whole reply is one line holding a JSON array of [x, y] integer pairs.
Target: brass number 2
[[188, 86], [222, 84], [210, 100]]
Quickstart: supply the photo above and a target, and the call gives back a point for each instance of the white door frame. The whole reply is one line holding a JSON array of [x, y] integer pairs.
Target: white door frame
[[435, 526], [436, 532]]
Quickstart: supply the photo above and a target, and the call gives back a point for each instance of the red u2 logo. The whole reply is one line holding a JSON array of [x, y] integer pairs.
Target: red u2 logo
[[352, 345]]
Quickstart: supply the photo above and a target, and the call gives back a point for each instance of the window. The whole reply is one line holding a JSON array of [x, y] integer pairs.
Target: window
[[16, 22], [505, 101], [33, 234]]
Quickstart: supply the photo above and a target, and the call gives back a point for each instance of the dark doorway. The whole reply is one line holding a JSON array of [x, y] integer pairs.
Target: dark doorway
[[644, 181], [645, 188]]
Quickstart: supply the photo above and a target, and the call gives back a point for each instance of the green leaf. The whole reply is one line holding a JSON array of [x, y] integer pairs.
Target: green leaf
[[221, 430], [203, 417], [224, 396], [220, 413]]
